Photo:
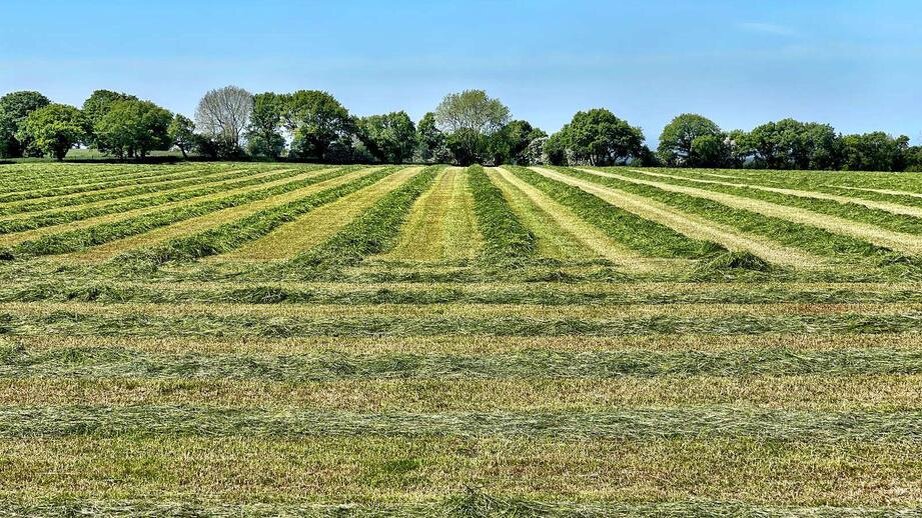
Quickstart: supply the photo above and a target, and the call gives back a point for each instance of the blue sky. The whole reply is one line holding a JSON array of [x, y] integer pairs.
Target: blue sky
[[854, 64]]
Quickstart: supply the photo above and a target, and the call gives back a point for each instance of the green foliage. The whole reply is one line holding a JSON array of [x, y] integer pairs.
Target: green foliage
[[709, 151], [431, 141], [598, 138], [470, 118], [790, 144], [15, 107], [264, 138], [467, 146], [506, 240], [181, 133], [676, 142], [390, 138], [317, 120], [100, 102], [54, 129], [513, 144], [133, 128], [875, 151]]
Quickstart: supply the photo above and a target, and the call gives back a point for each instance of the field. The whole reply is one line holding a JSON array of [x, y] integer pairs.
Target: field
[[290, 339]]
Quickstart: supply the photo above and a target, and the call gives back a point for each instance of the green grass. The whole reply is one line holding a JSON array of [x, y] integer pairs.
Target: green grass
[[430, 355]]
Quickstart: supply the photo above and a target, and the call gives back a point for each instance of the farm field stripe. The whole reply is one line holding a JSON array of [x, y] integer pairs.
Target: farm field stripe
[[589, 237], [692, 225], [83, 202], [633, 424], [34, 238], [159, 200], [899, 241], [384, 470], [120, 184], [816, 392], [499, 321], [506, 240], [80, 178], [249, 225], [645, 236], [322, 364], [894, 208], [288, 292], [441, 225], [320, 224], [374, 232], [226, 208]]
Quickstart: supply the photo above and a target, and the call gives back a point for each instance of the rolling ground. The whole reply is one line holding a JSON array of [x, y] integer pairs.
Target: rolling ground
[[284, 339]]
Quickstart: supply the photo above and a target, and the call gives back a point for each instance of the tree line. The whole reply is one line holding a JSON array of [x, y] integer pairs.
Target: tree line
[[468, 127]]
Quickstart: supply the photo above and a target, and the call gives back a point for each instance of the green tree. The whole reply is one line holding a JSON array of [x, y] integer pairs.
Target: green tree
[[181, 133], [97, 105], [790, 144], [709, 151], [389, 138], [555, 148], [14, 108], [469, 118], [599, 138], [875, 151], [675, 142], [511, 143], [317, 120], [431, 141], [54, 129], [264, 136], [133, 128]]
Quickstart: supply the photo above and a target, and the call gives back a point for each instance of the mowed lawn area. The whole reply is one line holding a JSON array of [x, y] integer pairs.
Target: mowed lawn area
[[266, 339]]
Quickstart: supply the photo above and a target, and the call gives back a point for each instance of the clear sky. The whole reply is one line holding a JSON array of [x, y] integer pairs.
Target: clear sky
[[854, 64]]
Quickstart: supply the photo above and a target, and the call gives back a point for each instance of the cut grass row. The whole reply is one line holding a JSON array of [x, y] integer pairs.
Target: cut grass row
[[506, 240], [886, 215], [783, 232], [37, 207], [708, 422], [93, 232], [26, 222], [317, 226], [230, 236], [373, 232], [527, 364], [902, 242], [814, 392], [378, 470], [643, 235]]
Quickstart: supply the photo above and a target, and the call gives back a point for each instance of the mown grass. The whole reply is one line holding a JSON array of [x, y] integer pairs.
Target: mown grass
[[373, 232], [506, 240], [83, 238], [811, 239]]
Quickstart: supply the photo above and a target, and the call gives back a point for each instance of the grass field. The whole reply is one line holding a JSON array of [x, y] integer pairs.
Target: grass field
[[287, 339]]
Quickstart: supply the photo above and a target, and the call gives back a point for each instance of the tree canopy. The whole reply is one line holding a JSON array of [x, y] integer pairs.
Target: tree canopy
[[133, 128], [316, 120], [390, 138], [14, 108], [54, 129], [597, 137], [223, 115], [676, 142]]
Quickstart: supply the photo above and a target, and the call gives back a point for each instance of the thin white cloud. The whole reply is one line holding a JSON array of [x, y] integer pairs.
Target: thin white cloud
[[767, 28]]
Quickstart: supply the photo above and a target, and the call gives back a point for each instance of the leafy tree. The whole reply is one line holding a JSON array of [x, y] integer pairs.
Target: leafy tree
[[709, 151], [790, 144], [431, 141], [875, 151], [469, 117], [181, 133], [600, 138], [509, 144], [223, 116], [675, 143], [317, 120], [54, 129], [98, 104], [133, 128], [263, 136], [14, 108], [389, 138], [555, 148]]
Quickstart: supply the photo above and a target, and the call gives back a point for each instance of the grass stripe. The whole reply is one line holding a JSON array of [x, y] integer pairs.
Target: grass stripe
[[692, 225], [816, 392], [323, 364], [312, 229], [132, 203], [506, 240], [270, 214], [898, 241], [80, 235]]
